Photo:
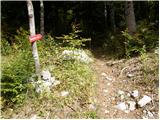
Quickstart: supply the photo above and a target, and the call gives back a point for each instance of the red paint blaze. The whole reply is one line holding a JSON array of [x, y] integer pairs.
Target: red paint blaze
[[35, 38]]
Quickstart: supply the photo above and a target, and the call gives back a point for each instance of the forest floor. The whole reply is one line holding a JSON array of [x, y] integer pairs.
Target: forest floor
[[116, 80]]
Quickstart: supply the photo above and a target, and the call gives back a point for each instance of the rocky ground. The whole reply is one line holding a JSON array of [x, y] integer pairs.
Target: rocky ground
[[123, 90]]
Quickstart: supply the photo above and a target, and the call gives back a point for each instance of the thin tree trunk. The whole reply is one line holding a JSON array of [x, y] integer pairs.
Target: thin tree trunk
[[32, 32], [105, 14], [42, 17], [112, 17], [130, 17]]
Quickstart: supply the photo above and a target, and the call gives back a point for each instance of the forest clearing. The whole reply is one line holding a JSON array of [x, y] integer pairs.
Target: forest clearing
[[79, 60]]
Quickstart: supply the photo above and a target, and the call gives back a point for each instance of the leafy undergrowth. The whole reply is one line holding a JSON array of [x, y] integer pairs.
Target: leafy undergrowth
[[76, 78]]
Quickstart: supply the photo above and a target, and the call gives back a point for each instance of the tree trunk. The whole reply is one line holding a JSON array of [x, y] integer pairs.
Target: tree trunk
[[105, 14], [42, 17], [32, 32], [130, 17], [112, 17]]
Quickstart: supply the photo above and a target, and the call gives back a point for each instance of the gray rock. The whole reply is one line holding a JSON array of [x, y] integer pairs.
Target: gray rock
[[129, 75], [52, 79], [76, 54], [122, 97], [92, 106], [122, 106], [126, 111], [135, 93], [106, 111], [46, 83], [145, 100], [104, 74], [105, 91], [107, 77], [43, 86], [128, 94], [34, 117], [150, 115], [144, 111], [64, 93], [120, 92], [56, 82], [132, 105], [46, 75]]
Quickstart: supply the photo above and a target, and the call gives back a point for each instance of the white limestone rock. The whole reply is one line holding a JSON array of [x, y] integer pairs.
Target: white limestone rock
[[46, 83], [145, 100], [132, 105], [106, 111], [129, 75], [104, 74], [105, 91], [76, 54], [46, 75], [120, 92], [122, 106], [56, 82], [64, 93], [135, 93], [92, 106]]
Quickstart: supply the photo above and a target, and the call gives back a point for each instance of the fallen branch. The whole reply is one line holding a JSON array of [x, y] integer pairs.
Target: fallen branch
[[120, 75]]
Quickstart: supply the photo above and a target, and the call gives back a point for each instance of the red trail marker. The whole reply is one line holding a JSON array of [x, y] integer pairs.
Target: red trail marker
[[35, 38]]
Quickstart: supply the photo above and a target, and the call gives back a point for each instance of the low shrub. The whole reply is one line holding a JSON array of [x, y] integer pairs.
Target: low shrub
[[15, 73], [5, 46], [145, 39], [17, 67]]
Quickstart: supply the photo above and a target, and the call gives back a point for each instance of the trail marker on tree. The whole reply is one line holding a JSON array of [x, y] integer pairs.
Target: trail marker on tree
[[35, 38], [32, 34]]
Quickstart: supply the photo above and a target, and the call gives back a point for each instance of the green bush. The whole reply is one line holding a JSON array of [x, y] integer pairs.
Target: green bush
[[133, 45], [5, 46], [17, 67], [15, 73], [148, 34], [21, 40], [145, 39], [72, 41]]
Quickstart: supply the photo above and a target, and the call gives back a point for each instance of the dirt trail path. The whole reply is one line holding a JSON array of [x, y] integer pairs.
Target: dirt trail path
[[108, 86]]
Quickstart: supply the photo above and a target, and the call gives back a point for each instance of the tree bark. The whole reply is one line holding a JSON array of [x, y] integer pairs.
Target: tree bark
[[130, 17], [42, 17], [32, 32], [112, 16], [105, 14]]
